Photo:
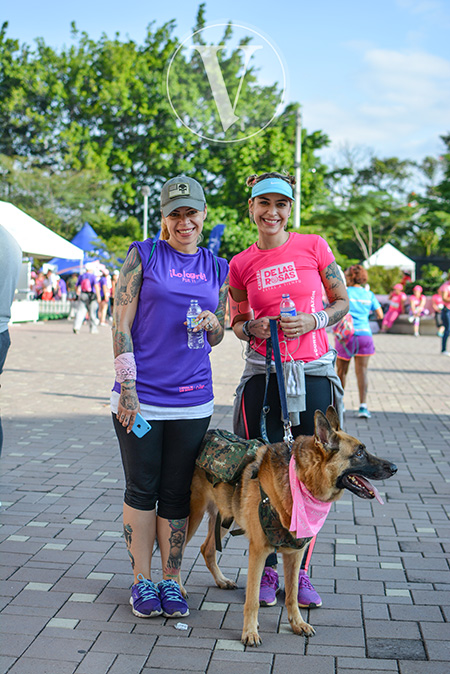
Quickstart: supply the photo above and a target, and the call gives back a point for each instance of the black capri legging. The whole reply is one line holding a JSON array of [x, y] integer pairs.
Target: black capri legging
[[159, 466], [318, 397]]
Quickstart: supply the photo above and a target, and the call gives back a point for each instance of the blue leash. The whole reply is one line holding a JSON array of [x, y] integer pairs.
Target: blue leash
[[273, 344]]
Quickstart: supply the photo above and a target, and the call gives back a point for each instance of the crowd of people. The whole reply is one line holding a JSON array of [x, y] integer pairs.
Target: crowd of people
[[418, 305], [91, 293]]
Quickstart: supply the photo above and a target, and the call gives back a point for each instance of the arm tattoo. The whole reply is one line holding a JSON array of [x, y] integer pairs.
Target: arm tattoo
[[336, 316], [333, 275], [215, 336], [130, 279], [122, 342], [223, 295], [132, 261], [336, 292], [177, 538]]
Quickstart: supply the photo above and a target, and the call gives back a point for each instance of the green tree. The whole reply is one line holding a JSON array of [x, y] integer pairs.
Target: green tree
[[99, 110], [431, 228], [368, 204]]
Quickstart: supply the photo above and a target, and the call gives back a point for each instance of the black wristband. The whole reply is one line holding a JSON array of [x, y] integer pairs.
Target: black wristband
[[245, 329]]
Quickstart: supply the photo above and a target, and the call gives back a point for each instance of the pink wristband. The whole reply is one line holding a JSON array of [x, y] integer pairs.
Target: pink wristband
[[125, 367]]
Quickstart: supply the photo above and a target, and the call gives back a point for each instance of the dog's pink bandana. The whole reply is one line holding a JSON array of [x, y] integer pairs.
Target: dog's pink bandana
[[308, 514]]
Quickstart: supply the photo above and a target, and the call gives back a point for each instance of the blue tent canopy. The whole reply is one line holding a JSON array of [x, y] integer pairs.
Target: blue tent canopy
[[87, 240]]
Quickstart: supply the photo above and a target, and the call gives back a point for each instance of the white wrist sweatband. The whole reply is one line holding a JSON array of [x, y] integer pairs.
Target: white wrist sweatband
[[321, 318], [125, 367]]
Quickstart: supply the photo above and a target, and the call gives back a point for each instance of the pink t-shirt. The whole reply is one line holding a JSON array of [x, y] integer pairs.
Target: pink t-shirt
[[397, 299], [415, 302], [438, 301], [445, 286], [291, 268]]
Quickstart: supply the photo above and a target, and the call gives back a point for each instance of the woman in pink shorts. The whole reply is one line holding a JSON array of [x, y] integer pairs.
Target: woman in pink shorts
[[362, 303]]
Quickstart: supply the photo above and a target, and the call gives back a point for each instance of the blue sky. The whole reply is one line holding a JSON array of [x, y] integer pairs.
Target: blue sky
[[370, 75]]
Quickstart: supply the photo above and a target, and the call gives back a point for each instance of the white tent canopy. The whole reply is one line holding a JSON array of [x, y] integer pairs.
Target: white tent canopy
[[389, 257], [35, 239]]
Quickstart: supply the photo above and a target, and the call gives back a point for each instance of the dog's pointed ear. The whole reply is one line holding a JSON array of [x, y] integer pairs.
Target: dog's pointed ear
[[322, 428], [333, 418], [323, 431]]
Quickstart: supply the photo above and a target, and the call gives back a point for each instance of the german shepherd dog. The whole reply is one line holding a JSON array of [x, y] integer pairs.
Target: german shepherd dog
[[326, 463]]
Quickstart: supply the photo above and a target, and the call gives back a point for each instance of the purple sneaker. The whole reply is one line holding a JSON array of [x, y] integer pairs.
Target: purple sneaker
[[144, 600], [307, 595], [174, 605], [269, 587]]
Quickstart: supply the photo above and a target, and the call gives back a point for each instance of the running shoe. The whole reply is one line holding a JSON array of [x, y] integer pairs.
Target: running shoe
[[269, 588], [174, 605], [307, 595], [145, 600], [363, 412]]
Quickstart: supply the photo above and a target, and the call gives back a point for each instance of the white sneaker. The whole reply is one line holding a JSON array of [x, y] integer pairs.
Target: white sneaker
[[445, 353], [363, 412]]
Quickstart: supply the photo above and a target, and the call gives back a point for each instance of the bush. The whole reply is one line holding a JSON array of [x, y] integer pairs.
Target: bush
[[381, 279], [432, 279]]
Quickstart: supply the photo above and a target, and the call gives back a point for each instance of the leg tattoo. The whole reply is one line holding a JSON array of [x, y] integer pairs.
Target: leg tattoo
[[177, 537], [127, 531]]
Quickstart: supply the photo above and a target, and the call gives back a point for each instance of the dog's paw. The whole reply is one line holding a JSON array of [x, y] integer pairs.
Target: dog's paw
[[226, 584], [303, 628], [251, 638]]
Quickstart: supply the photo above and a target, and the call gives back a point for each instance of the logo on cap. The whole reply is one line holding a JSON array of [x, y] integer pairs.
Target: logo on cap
[[179, 190]]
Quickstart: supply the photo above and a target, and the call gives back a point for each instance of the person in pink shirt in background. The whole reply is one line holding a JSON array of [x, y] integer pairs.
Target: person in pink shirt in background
[[438, 304], [396, 307], [417, 303], [444, 292]]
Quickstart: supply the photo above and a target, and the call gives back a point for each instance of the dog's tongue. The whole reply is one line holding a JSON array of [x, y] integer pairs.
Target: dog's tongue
[[370, 486]]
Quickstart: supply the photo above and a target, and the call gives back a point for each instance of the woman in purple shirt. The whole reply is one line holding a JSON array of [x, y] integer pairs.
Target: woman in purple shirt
[[169, 384]]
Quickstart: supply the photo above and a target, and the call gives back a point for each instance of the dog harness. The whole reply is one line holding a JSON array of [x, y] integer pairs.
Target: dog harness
[[276, 534]]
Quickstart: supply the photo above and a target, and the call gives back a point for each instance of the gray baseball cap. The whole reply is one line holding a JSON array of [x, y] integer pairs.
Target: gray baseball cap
[[181, 191]]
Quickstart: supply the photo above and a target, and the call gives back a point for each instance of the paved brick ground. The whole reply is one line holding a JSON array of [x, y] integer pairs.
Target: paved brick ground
[[382, 571]]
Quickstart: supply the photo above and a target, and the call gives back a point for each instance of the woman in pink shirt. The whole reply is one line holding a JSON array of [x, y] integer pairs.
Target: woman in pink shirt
[[299, 264], [417, 303], [444, 292], [396, 307], [437, 304]]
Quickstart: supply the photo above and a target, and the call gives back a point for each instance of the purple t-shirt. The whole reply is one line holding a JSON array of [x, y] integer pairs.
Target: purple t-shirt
[[92, 280], [102, 283], [169, 374]]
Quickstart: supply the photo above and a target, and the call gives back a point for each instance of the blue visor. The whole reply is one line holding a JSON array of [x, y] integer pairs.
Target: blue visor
[[272, 185]]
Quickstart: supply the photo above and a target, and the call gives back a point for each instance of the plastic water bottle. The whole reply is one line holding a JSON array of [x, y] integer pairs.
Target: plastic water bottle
[[287, 306], [196, 340]]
